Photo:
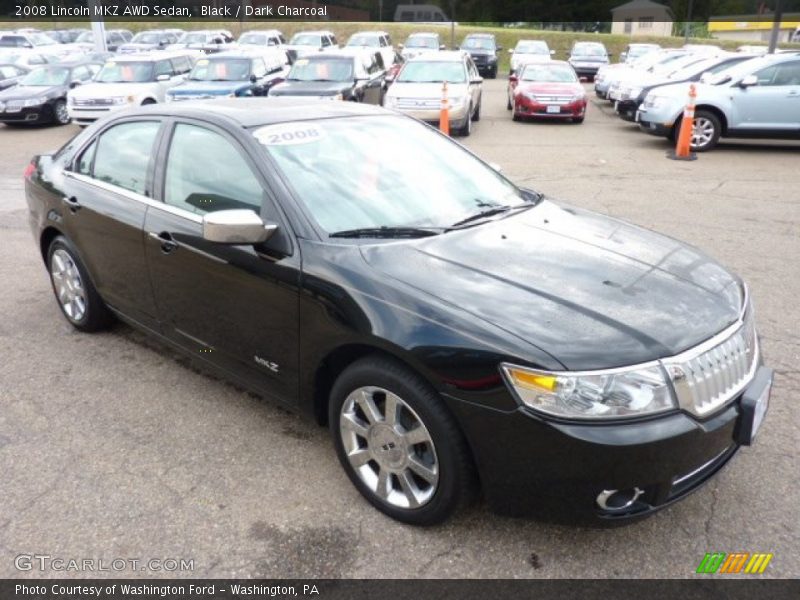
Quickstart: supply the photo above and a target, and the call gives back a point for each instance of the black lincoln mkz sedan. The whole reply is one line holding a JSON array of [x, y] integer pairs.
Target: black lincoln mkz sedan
[[456, 333]]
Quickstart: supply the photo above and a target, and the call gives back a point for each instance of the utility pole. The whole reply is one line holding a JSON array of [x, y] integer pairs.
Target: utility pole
[[452, 24], [98, 29], [776, 27]]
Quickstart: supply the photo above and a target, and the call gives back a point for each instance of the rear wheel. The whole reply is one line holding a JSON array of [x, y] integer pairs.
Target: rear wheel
[[509, 106], [76, 295], [398, 443]]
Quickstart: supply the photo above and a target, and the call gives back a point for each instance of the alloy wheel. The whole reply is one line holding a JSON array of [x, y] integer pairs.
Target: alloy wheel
[[68, 285], [702, 132], [389, 447], [62, 116]]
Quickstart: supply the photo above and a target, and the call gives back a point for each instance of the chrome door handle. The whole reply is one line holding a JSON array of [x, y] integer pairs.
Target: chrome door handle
[[165, 239], [72, 203]]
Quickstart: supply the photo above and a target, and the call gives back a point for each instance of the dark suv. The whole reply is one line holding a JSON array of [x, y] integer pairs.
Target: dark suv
[[483, 49]]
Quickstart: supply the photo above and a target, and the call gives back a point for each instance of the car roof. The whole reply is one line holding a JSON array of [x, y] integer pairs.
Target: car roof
[[479, 35], [314, 32], [148, 56], [443, 56], [257, 112]]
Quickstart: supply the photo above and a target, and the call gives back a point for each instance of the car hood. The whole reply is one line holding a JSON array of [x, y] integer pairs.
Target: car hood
[[137, 47], [400, 89], [211, 88], [589, 59], [19, 92], [547, 87], [589, 290], [310, 88]]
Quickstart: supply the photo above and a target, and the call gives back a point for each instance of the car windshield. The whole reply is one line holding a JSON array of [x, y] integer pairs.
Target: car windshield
[[478, 44], [254, 39], [422, 42], [545, 73], [40, 39], [145, 38], [86, 37], [305, 39], [637, 51], [372, 41], [46, 76], [125, 72], [388, 171], [531, 48], [221, 69], [433, 72], [311, 69], [589, 50]]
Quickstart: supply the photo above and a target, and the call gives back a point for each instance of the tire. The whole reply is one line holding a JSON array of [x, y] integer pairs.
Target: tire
[[706, 131], [509, 106], [443, 476], [466, 130], [476, 116], [60, 114], [578, 120], [74, 291], [493, 73]]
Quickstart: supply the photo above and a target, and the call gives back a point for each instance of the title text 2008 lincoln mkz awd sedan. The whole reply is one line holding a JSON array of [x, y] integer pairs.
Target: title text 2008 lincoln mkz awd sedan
[[456, 333]]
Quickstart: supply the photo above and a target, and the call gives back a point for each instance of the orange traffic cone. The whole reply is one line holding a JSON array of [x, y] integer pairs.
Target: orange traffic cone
[[444, 114], [683, 147]]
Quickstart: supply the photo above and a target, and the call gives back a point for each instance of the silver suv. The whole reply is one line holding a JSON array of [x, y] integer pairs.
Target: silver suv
[[757, 98]]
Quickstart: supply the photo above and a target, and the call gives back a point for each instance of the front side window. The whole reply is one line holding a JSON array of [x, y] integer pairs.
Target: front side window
[[123, 155], [206, 173], [780, 75], [84, 165], [163, 67], [382, 171], [47, 77]]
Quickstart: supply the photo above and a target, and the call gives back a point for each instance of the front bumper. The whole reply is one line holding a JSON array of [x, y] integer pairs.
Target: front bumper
[[587, 70], [84, 115], [32, 115], [525, 107], [626, 109], [458, 115], [556, 470]]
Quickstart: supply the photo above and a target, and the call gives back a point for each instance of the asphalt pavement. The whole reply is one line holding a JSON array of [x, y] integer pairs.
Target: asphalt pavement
[[114, 447]]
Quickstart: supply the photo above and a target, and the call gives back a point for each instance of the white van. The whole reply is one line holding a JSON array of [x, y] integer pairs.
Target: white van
[[420, 13]]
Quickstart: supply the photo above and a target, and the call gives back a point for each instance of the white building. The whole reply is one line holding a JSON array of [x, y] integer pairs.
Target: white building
[[642, 17]]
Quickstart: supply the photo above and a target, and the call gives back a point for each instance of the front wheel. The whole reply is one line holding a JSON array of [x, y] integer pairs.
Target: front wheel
[[466, 130], [398, 443], [706, 131], [476, 116], [60, 114]]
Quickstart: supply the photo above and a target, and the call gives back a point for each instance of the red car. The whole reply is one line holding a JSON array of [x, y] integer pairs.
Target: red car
[[548, 90]]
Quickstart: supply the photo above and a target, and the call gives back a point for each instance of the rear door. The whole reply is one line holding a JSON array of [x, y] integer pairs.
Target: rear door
[[106, 194], [234, 305]]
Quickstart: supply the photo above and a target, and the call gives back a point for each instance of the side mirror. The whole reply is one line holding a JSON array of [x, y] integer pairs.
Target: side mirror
[[219, 41], [511, 51], [476, 80], [162, 77], [74, 84], [749, 81], [623, 56], [442, 47], [706, 77], [253, 78], [236, 226], [552, 52], [400, 46], [499, 48], [513, 78]]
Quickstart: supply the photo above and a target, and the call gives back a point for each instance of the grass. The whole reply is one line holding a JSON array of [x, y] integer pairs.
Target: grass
[[559, 41]]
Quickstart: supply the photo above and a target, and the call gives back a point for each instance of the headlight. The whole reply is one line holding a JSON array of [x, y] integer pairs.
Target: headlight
[[122, 99], [634, 92], [529, 96], [457, 101], [610, 394], [33, 102], [577, 97], [652, 101]]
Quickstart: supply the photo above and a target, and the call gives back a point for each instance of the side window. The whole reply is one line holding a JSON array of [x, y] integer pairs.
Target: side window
[[181, 65], [80, 74], [123, 155], [164, 67], [788, 74], [206, 172], [84, 165], [325, 41]]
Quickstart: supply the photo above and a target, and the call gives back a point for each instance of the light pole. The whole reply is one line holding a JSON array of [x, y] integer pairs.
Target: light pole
[[688, 24], [776, 27]]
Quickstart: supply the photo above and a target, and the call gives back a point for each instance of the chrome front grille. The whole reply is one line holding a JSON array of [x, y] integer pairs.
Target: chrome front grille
[[92, 102], [708, 377], [553, 99], [419, 103]]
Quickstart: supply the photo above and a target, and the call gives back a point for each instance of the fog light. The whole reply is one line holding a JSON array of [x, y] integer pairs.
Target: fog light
[[618, 500]]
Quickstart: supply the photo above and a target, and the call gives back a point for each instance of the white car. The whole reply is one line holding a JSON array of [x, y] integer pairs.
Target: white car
[[417, 43], [270, 39], [130, 80], [377, 41], [306, 42], [25, 57], [528, 51], [417, 89], [41, 43]]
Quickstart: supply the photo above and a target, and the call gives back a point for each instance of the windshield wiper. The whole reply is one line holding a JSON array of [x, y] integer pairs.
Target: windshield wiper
[[490, 212], [386, 232]]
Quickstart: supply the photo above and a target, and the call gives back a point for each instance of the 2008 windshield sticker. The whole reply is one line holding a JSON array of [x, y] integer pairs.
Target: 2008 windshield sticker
[[289, 134]]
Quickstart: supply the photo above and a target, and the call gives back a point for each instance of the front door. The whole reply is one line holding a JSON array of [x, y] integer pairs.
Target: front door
[[234, 305], [773, 104]]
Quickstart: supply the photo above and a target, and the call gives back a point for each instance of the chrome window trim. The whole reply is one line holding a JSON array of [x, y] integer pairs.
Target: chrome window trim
[[179, 212]]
